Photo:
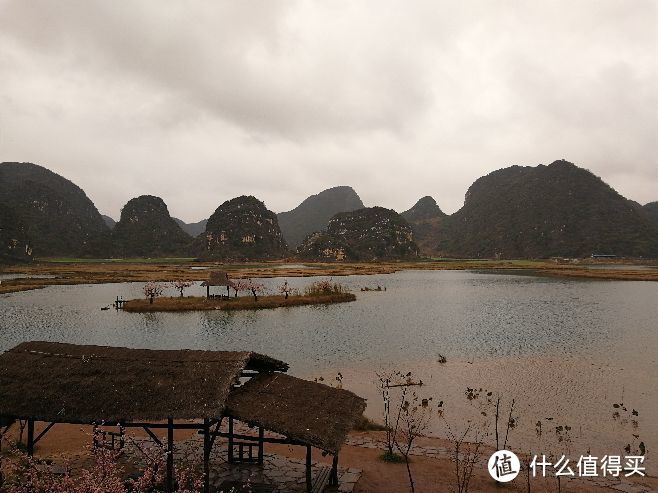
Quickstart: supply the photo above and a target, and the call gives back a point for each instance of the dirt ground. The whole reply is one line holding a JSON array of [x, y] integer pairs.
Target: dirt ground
[[68, 444]]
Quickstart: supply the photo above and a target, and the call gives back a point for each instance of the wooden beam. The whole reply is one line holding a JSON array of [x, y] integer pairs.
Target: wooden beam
[[30, 437], [206, 455], [162, 426], [261, 447], [309, 479], [230, 439], [333, 479], [40, 435], [286, 441], [152, 435], [215, 433], [170, 455]]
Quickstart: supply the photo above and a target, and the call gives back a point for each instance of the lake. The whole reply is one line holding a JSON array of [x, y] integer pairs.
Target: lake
[[565, 349]]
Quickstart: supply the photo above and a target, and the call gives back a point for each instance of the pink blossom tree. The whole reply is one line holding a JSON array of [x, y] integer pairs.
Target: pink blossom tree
[[106, 475], [181, 285], [153, 289], [256, 288], [238, 285]]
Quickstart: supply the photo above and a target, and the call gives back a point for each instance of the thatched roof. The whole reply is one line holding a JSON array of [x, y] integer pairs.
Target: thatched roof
[[309, 412], [84, 384], [218, 278]]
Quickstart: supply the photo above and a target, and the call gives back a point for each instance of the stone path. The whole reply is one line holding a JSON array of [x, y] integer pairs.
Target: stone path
[[288, 475]]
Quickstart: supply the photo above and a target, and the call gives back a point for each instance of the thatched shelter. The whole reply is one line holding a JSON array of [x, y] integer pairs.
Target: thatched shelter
[[68, 383], [304, 411], [218, 278], [51, 381]]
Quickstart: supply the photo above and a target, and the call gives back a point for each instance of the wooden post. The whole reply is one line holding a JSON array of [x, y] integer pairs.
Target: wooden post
[[333, 478], [309, 479], [261, 434], [206, 455], [208, 291], [170, 455], [30, 437], [230, 439]]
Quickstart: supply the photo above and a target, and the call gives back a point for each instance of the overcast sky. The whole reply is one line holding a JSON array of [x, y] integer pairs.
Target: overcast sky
[[198, 102]]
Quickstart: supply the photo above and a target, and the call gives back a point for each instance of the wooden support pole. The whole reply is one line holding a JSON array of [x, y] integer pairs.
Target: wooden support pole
[[46, 430], [230, 439], [208, 291], [309, 478], [170, 455], [261, 444], [206, 455], [30, 437], [333, 478]]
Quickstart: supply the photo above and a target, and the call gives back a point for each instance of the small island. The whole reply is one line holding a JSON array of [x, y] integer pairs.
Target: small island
[[317, 293]]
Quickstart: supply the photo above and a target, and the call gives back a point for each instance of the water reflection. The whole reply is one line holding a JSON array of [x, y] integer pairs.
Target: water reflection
[[568, 345]]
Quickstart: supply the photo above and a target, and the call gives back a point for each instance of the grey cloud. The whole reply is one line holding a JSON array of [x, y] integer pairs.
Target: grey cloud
[[198, 102]]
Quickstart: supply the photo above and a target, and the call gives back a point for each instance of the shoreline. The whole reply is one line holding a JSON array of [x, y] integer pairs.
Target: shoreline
[[101, 271], [197, 303], [431, 462]]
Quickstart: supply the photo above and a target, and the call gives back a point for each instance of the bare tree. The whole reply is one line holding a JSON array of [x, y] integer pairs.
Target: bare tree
[[285, 289], [415, 417], [182, 285], [466, 453], [394, 382]]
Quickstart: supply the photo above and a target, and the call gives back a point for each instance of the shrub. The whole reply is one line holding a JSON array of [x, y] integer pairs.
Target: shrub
[[324, 288]]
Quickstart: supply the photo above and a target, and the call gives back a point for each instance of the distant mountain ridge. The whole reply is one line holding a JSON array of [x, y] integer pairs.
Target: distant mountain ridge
[[426, 219], [147, 230], [57, 216], [517, 212], [192, 229], [315, 211], [109, 221], [371, 233], [545, 211]]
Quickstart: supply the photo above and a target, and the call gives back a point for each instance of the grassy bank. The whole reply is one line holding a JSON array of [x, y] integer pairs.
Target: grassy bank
[[101, 271], [194, 303]]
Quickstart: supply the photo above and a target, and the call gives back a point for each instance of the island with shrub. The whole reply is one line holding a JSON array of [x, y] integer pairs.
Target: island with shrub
[[317, 293]]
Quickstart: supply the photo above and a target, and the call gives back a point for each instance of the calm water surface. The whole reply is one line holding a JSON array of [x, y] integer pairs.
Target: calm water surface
[[564, 349]]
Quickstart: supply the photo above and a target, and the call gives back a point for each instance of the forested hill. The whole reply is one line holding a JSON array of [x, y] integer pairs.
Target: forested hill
[[315, 211], [545, 211]]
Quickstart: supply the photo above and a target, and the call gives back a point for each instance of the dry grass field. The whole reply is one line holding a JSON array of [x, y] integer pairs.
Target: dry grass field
[[79, 271]]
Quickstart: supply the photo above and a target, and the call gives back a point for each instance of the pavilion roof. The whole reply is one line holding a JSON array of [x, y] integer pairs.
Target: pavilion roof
[[59, 382], [306, 411]]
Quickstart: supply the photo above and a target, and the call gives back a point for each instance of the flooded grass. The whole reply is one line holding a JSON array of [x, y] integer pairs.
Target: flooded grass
[[96, 271], [243, 303]]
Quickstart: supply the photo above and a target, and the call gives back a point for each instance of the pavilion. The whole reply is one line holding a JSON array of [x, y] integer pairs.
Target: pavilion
[[218, 278], [158, 389]]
